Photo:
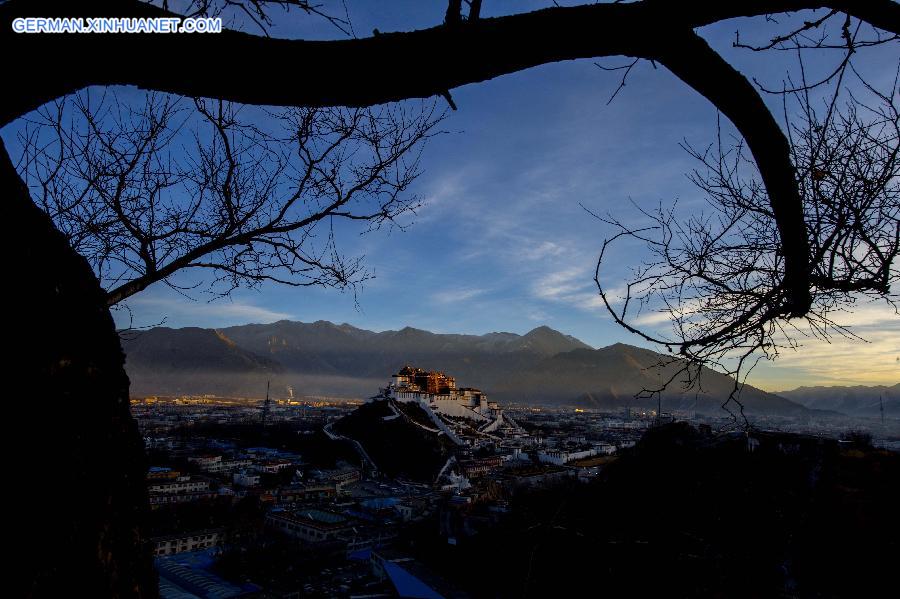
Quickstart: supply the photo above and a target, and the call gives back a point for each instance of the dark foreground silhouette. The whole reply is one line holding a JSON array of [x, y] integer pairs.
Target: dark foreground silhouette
[[693, 514]]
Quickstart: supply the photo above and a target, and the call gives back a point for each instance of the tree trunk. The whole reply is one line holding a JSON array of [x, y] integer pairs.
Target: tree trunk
[[78, 466]]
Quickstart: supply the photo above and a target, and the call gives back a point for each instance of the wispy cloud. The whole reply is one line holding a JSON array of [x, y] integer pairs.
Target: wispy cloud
[[573, 286], [178, 311], [544, 250], [653, 319], [560, 285], [448, 194], [454, 296]]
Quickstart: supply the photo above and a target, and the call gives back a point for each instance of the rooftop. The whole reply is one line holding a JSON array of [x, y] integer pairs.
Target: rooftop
[[313, 517]]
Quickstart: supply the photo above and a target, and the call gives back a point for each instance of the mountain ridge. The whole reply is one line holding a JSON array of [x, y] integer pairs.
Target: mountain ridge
[[853, 400], [323, 358]]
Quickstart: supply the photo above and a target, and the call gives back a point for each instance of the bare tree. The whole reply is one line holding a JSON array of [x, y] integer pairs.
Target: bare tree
[[174, 184], [719, 276]]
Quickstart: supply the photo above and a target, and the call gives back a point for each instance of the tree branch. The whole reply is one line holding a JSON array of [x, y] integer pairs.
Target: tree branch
[[345, 71], [691, 59]]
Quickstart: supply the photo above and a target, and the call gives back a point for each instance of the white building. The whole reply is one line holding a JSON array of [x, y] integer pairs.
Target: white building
[[246, 479], [191, 541], [560, 457], [182, 484], [206, 462], [274, 466], [438, 395]]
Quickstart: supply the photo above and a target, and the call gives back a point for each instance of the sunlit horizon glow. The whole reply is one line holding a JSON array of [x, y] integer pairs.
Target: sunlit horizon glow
[[871, 359]]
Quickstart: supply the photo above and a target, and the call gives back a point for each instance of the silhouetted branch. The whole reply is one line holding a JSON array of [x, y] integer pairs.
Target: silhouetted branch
[[420, 65], [699, 65], [720, 277], [178, 184], [627, 68]]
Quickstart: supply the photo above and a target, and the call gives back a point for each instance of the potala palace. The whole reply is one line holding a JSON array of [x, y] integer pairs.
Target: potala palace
[[460, 412]]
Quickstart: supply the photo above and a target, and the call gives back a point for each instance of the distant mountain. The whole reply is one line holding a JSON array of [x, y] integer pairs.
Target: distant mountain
[[610, 377], [858, 400], [323, 347], [164, 361], [344, 360], [323, 358]]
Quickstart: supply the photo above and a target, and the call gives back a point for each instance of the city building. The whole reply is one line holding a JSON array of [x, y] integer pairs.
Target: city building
[[309, 525], [181, 484], [186, 541]]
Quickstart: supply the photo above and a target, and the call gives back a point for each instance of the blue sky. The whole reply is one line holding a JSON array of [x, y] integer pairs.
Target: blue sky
[[502, 243]]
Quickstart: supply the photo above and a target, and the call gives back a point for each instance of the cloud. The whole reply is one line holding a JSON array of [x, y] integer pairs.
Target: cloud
[[652, 319], [867, 316], [449, 194], [181, 312], [537, 316], [841, 360], [561, 284], [544, 250], [573, 286], [453, 296]]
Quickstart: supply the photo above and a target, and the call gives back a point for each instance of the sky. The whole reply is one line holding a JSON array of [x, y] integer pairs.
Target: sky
[[503, 242]]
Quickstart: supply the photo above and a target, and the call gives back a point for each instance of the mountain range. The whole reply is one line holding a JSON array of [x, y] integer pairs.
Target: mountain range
[[322, 358], [857, 401]]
